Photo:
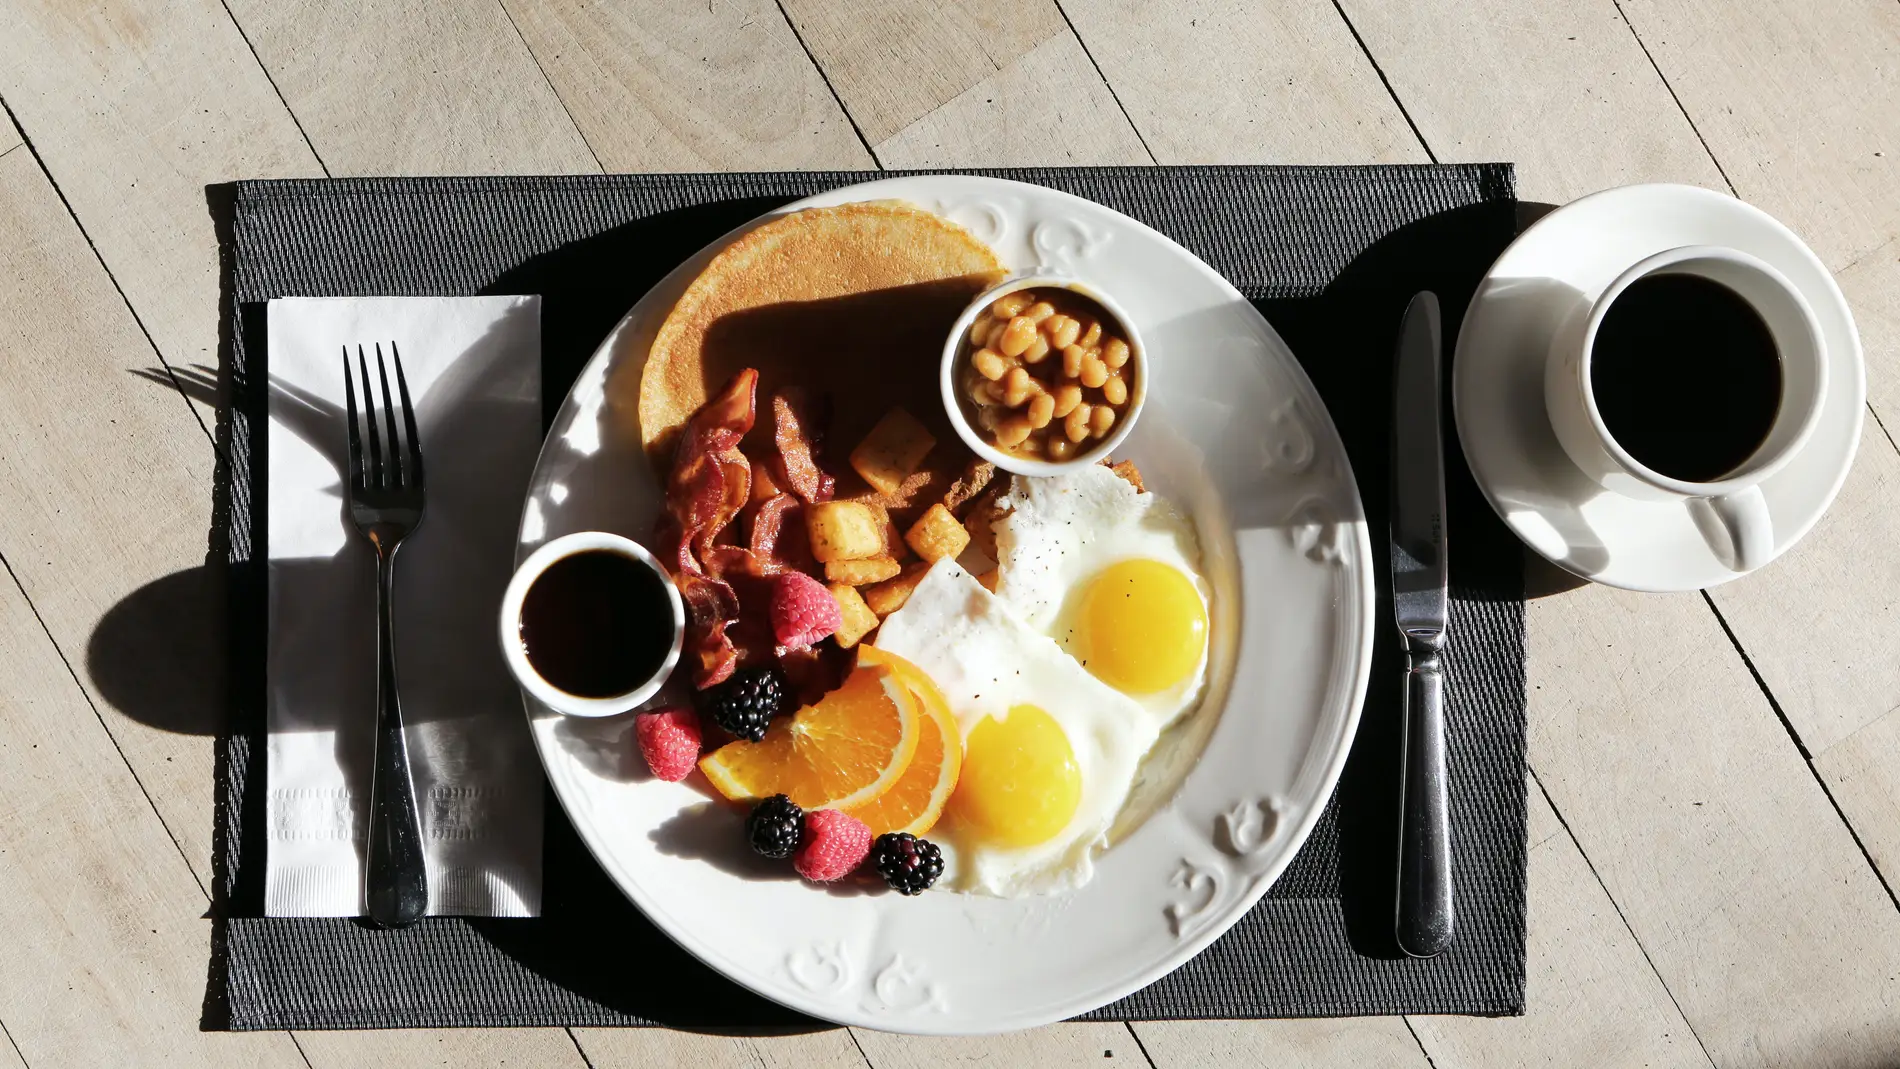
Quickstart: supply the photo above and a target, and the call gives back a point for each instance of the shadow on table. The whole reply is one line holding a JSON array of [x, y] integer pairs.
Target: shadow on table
[[1345, 337]]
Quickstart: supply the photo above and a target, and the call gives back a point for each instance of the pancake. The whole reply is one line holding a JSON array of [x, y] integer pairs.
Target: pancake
[[853, 302]]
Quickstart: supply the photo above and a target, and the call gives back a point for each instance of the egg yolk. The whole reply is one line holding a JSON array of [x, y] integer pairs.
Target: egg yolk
[[1142, 626], [1020, 784]]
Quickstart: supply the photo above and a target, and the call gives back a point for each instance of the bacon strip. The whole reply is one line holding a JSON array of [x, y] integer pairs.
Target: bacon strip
[[707, 487], [775, 541], [769, 522], [798, 432]]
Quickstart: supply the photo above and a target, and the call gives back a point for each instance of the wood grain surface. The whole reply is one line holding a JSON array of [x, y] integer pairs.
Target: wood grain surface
[[1714, 804], [685, 87], [1048, 106], [644, 1048], [1244, 83], [413, 87], [445, 1047]]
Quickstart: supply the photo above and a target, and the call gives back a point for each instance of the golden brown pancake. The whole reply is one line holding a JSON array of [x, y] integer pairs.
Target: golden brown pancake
[[853, 302]]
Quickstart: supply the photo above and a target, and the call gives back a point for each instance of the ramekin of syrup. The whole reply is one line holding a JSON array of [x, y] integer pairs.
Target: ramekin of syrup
[[591, 625]]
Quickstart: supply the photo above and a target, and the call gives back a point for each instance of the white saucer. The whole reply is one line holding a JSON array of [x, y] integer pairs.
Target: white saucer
[[1555, 270]]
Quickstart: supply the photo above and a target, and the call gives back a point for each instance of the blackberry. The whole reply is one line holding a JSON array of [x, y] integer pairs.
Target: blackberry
[[909, 864], [774, 827], [745, 704]]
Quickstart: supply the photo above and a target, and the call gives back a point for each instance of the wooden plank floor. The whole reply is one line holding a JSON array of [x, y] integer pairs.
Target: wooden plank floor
[[1715, 821]]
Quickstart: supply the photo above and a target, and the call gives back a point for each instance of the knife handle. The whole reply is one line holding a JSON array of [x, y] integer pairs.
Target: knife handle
[[1423, 924]]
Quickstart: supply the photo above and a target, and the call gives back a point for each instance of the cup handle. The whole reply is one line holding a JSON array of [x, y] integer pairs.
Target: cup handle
[[1736, 526]]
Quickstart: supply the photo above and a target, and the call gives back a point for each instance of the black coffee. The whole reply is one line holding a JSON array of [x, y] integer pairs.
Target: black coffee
[[597, 624], [1686, 376]]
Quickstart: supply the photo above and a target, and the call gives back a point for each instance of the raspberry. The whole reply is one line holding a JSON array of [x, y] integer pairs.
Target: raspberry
[[669, 740], [835, 844], [908, 864], [803, 611]]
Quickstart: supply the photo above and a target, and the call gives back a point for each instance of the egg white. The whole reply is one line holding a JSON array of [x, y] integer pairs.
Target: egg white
[[986, 661], [1057, 533]]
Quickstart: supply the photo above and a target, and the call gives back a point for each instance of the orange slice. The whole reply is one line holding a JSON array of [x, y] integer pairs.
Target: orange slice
[[916, 800], [844, 751]]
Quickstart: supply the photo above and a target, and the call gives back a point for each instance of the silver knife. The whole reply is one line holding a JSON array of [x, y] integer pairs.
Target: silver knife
[[1423, 919]]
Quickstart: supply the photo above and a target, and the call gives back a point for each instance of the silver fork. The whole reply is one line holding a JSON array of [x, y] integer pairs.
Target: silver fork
[[386, 505]]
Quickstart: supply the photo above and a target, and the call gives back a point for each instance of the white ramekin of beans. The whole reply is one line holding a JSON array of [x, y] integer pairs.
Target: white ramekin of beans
[[1043, 374]]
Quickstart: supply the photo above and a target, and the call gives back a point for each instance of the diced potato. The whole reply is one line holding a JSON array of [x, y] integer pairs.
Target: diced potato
[[764, 486], [858, 621], [937, 535], [1127, 470], [889, 596], [892, 451], [988, 579], [843, 530], [861, 572], [894, 546], [976, 477]]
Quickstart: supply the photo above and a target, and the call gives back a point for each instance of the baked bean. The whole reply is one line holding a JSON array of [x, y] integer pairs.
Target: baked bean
[[1011, 430], [1016, 387], [1016, 337], [1076, 426], [1062, 330], [1030, 405], [1042, 409]]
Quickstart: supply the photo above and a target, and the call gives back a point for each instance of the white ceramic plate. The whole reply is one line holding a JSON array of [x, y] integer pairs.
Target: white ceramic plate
[[1235, 434], [1555, 270]]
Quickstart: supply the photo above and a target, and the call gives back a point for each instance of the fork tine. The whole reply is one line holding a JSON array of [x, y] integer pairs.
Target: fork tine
[[356, 442], [396, 471], [412, 466], [369, 412]]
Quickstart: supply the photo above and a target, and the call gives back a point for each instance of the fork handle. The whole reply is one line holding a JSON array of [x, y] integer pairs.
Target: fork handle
[[396, 886]]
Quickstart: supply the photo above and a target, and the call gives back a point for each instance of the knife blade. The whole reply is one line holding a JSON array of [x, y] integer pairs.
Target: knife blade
[[1423, 918]]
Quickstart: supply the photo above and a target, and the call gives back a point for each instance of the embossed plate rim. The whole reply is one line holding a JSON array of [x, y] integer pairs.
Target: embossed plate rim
[[1296, 529]]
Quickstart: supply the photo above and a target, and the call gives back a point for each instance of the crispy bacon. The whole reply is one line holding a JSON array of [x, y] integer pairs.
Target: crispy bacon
[[724, 569], [775, 541], [707, 487], [798, 431], [768, 522]]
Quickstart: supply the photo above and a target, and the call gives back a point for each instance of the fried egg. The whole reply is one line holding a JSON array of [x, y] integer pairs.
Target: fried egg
[[1113, 575], [1050, 751]]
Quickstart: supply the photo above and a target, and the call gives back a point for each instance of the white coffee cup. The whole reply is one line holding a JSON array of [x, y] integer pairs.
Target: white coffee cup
[[1729, 511], [515, 652]]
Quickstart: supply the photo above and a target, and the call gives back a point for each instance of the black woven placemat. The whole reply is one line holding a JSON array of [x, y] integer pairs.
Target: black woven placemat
[[1330, 255]]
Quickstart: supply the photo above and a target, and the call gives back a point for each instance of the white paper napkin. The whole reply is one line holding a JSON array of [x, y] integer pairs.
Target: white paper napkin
[[473, 365]]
